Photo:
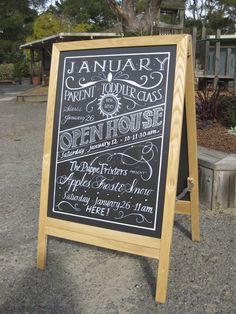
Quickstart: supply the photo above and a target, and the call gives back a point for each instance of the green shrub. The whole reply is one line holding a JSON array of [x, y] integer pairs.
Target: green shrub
[[6, 71], [227, 110], [21, 69]]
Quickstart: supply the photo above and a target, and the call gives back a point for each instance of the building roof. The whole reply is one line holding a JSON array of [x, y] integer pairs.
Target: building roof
[[173, 4], [66, 37], [223, 37], [228, 40]]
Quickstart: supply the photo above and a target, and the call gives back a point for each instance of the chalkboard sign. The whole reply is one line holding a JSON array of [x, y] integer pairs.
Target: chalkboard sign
[[113, 141], [111, 137]]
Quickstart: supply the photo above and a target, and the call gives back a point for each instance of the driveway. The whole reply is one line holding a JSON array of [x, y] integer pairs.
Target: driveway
[[85, 279]]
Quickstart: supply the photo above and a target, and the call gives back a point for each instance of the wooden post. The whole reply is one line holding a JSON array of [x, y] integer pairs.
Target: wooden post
[[171, 183], [181, 17], [31, 64], [217, 59], [202, 46], [228, 61], [192, 145], [158, 21], [203, 32], [206, 56], [228, 64], [235, 77], [42, 65], [194, 45]]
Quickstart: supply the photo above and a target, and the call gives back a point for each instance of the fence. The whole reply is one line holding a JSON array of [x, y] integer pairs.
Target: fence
[[215, 59]]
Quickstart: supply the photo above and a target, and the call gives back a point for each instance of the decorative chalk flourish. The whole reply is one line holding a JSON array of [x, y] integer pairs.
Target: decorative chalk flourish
[[76, 208], [139, 217]]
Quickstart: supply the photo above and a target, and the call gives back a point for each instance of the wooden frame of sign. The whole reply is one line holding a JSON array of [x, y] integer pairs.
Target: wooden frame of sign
[[140, 79]]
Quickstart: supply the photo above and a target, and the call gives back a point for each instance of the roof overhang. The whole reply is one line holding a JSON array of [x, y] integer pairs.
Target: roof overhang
[[37, 44], [224, 39]]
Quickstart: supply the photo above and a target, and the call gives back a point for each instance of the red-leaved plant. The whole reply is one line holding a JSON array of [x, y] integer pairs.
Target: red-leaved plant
[[207, 104]]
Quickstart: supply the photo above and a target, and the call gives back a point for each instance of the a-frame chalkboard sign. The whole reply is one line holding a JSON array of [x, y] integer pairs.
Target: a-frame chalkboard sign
[[113, 144]]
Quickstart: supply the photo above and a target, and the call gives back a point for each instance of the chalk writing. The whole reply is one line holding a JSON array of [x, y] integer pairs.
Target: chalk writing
[[109, 139]]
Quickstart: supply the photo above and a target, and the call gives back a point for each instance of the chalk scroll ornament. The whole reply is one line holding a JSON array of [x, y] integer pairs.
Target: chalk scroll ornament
[[138, 217], [109, 103], [128, 158], [141, 154], [155, 77], [62, 204], [145, 153]]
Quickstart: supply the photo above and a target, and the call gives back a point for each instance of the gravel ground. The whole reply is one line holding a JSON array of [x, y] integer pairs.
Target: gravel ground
[[85, 279]]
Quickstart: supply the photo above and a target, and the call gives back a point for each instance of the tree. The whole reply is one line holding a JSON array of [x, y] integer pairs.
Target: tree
[[16, 18], [212, 13], [132, 23], [95, 13], [48, 24]]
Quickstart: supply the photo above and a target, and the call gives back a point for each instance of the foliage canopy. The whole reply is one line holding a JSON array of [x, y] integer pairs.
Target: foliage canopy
[[213, 14], [26, 20]]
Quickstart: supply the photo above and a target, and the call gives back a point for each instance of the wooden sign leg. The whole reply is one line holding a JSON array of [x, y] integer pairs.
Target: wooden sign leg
[[42, 236], [42, 248], [192, 145], [189, 207], [163, 267], [42, 242], [172, 174]]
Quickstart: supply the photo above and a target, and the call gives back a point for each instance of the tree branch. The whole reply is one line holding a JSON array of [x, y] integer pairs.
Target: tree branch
[[115, 7], [150, 14], [126, 11]]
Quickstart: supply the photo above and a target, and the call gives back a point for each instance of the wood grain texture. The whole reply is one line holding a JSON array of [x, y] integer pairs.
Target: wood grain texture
[[126, 242], [228, 61], [172, 168], [217, 60], [94, 44], [206, 54], [192, 144], [232, 189], [224, 190], [103, 242], [120, 42], [220, 197], [205, 186], [183, 208], [104, 233], [42, 237]]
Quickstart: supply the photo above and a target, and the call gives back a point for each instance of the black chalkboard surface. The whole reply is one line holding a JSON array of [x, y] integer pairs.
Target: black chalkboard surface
[[120, 144], [184, 161], [110, 137]]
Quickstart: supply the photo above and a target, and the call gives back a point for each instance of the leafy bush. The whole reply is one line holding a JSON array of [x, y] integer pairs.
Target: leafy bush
[[6, 71], [227, 110], [207, 104], [21, 69], [213, 106]]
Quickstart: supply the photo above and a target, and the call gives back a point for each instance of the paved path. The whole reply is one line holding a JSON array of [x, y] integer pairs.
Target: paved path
[[83, 279]]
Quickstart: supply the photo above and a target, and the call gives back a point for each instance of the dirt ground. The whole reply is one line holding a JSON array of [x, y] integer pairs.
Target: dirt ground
[[217, 137], [84, 279]]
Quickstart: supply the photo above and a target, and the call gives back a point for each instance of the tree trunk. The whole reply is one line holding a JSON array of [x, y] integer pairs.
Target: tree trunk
[[131, 24], [150, 16]]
